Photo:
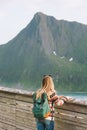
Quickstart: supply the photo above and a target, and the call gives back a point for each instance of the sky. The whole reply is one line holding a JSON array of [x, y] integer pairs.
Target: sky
[[17, 14]]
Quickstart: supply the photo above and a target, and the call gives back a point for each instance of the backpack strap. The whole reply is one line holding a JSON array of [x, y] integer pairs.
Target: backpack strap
[[44, 96], [34, 97]]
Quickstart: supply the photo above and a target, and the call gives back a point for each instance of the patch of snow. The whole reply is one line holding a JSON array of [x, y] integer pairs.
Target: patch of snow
[[71, 59], [54, 53]]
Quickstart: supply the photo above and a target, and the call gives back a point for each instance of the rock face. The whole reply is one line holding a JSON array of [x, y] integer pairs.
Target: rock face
[[38, 48]]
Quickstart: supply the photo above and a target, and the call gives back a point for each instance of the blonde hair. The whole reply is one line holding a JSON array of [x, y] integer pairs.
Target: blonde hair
[[47, 86]]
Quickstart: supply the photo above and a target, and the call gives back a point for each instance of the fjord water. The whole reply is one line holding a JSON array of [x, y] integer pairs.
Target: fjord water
[[75, 95]]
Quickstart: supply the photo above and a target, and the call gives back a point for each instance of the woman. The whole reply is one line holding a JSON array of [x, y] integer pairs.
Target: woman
[[48, 87]]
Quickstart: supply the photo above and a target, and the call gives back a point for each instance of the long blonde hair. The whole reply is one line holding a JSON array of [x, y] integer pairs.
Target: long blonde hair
[[47, 86]]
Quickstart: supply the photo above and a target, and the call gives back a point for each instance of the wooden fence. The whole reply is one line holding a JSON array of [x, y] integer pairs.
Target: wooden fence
[[16, 112]]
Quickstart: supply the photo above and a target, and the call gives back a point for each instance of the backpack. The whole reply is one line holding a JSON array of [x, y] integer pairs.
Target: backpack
[[41, 108]]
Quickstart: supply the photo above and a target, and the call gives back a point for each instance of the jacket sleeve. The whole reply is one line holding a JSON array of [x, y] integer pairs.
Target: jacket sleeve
[[57, 100]]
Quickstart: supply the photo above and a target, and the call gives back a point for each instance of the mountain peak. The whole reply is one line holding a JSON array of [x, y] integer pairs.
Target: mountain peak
[[40, 14]]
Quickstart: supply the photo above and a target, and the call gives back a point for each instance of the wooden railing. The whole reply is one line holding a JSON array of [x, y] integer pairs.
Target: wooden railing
[[16, 112], [71, 116]]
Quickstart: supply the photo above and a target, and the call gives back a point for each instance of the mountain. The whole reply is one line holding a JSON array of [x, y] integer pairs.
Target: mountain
[[46, 46]]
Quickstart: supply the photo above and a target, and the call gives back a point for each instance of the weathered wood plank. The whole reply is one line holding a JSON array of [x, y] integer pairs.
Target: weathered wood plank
[[24, 105], [72, 116], [6, 100], [26, 98], [65, 125], [74, 107], [5, 126]]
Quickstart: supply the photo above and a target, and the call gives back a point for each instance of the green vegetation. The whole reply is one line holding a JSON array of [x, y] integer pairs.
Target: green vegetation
[[26, 58]]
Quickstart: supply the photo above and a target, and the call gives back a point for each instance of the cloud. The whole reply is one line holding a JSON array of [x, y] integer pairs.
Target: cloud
[[2, 14]]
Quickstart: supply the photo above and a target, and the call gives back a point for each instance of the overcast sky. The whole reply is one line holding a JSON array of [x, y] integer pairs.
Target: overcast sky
[[16, 14]]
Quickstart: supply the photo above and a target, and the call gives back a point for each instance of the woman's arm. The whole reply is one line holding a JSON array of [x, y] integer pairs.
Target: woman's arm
[[60, 100], [63, 98]]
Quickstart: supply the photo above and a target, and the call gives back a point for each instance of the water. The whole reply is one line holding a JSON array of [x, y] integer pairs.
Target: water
[[76, 95]]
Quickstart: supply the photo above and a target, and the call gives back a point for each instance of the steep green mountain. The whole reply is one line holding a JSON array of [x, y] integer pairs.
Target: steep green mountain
[[46, 46]]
